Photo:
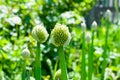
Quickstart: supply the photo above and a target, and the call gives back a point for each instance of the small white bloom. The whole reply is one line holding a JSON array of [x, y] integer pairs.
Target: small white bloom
[[14, 20], [108, 73], [25, 53], [99, 50], [3, 9], [67, 14]]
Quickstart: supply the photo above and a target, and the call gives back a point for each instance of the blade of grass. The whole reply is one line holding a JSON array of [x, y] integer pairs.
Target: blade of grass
[[90, 59], [55, 69], [62, 63], [28, 75], [23, 70], [83, 75], [38, 63], [104, 64]]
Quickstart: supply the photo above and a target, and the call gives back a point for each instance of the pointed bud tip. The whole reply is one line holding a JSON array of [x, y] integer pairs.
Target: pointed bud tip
[[94, 25], [83, 26]]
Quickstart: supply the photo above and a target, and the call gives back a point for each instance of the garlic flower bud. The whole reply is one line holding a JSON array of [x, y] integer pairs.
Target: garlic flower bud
[[94, 25], [60, 35], [108, 15], [25, 53], [83, 26], [39, 33], [58, 75], [88, 37], [49, 62]]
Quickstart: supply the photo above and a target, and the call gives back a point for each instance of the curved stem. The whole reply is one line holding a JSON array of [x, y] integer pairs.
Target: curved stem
[[62, 63], [38, 63], [90, 59], [83, 75]]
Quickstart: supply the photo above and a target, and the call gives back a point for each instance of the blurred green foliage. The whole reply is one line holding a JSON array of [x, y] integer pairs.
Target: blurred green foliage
[[17, 19]]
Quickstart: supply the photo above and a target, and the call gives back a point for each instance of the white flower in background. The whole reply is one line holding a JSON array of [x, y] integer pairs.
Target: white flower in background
[[3, 9], [71, 17], [37, 21], [29, 4], [15, 10], [67, 14], [99, 50], [109, 73], [16, 20], [113, 55], [71, 21], [32, 78], [8, 47]]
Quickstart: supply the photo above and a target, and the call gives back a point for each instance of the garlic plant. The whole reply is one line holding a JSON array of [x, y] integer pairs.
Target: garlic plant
[[40, 34], [60, 36]]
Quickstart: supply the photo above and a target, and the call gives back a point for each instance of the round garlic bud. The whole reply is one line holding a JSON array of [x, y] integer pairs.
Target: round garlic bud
[[25, 53], [60, 35], [94, 25], [39, 33], [83, 26], [108, 15], [58, 75]]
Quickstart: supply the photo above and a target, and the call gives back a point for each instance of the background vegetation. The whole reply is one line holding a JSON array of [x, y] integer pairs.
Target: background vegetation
[[17, 19]]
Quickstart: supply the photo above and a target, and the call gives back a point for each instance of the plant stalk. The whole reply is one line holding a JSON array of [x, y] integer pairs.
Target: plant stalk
[[38, 63], [62, 63], [90, 59], [24, 70], [104, 64], [83, 75]]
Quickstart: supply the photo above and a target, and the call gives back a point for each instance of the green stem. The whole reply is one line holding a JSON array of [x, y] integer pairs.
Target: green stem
[[23, 71], [38, 63], [116, 9], [90, 59], [62, 63], [83, 75], [104, 64], [55, 69], [17, 31], [28, 75]]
